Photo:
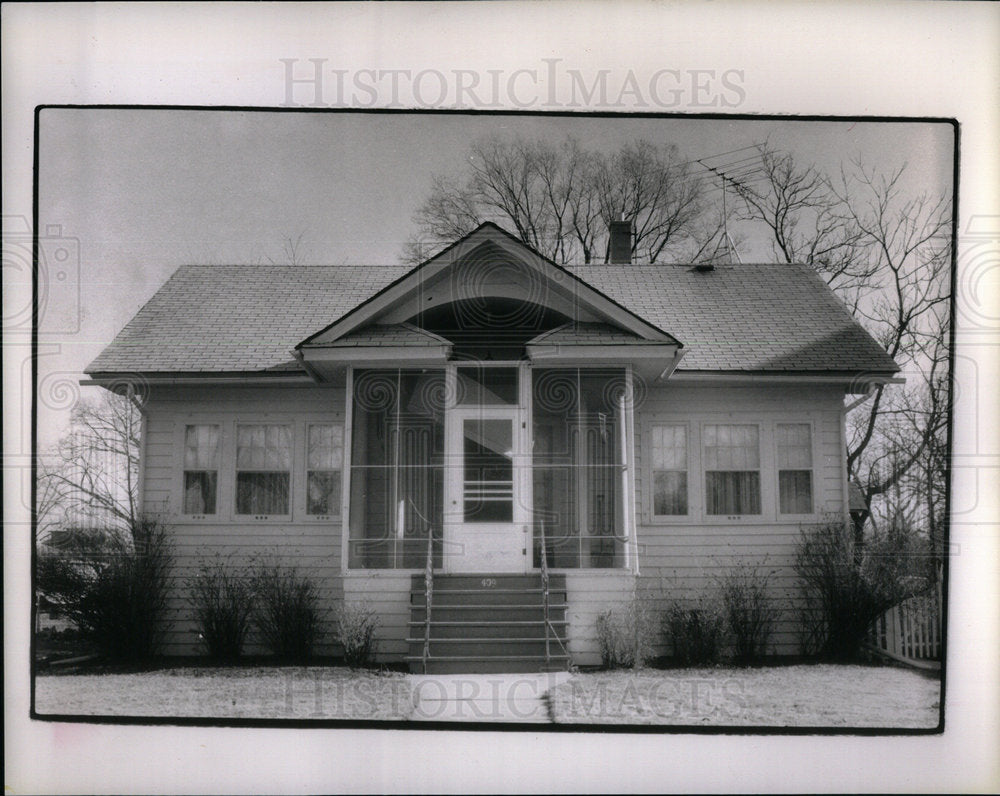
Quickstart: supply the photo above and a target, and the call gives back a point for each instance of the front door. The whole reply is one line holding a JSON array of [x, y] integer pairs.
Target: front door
[[485, 523]]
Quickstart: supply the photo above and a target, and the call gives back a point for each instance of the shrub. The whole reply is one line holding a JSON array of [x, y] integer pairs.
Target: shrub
[[625, 634], [846, 588], [286, 612], [694, 631], [748, 611], [356, 626], [222, 600], [114, 592]]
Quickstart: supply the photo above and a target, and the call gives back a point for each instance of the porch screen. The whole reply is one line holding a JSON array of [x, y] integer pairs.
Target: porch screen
[[397, 468], [577, 466]]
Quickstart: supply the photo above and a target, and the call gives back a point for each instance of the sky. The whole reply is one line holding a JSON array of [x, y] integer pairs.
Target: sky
[[138, 192]]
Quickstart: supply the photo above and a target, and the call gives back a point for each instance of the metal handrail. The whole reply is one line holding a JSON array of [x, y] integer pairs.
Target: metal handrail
[[545, 601], [428, 597]]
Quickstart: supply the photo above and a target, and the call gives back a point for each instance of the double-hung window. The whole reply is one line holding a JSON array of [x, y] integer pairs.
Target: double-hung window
[[795, 481], [324, 459], [201, 468], [731, 460], [263, 469], [669, 454]]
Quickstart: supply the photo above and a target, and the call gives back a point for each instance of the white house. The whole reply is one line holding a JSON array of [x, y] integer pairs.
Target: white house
[[621, 426]]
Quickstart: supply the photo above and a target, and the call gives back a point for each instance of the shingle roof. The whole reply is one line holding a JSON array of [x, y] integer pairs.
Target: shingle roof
[[232, 319], [744, 317], [587, 334], [239, 319], [396, 334]]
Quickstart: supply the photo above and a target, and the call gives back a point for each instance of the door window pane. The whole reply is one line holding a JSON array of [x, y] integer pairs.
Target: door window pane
[[488, 479]]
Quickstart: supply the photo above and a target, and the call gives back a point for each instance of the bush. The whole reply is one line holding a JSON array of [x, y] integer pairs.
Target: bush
[[748, 611], [356, 626], [695, 632], [286, 612], [846, 589], [625, 635], [222, 600], [115, 592]]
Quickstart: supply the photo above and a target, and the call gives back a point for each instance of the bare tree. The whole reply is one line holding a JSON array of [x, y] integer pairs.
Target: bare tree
[[291, 251], [887, 255], [560, 199], [90, 479]]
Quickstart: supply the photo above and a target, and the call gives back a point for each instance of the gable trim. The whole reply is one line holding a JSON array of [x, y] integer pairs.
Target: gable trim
[[487, 231]]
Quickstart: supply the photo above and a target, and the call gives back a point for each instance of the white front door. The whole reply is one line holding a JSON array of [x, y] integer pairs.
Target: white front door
[[485, 520]]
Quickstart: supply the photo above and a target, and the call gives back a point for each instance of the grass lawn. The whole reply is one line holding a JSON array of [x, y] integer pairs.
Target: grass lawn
[[780, 696], [818, 695]]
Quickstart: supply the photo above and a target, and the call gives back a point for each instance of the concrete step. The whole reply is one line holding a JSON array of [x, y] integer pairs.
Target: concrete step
[[488, 581], [474, 664], [486, 613], [488, 597], [485, 647], [487, 629]]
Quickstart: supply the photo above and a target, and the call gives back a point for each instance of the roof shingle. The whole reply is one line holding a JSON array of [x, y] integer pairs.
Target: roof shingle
[[239, 319]]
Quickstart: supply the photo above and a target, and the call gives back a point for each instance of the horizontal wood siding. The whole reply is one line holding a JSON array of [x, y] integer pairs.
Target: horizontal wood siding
[[590, 594], [313, 547], [388, 593], [684, 559]]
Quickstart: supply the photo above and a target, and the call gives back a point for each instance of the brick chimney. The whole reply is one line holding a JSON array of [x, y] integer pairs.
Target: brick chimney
[[621, 242]]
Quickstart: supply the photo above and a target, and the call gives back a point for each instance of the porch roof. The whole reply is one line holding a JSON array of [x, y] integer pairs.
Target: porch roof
[[247, 319]]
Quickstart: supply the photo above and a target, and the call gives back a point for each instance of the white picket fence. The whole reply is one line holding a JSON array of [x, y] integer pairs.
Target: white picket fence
[[911, 631]]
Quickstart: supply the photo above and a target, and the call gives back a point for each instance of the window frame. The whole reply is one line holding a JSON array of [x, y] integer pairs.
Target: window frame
[[698, 515], [226, 485], [221, 515], [267, 421], [649, 481], [302, 457], [761, 469], [796, 421]]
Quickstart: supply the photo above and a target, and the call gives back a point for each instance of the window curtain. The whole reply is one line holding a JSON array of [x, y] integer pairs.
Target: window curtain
[[794, 445], [201, 468], [732, 469], [263, 469]]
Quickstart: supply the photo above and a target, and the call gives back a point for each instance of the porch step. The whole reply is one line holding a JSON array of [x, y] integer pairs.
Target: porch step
[[485, 613], [532, 629], [492, 597], [488, 623], [472, 664]]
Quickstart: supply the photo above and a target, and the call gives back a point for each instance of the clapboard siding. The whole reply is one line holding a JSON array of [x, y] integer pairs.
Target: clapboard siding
[[685, 559], [388, 593], [590, 594], [312, 547]]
